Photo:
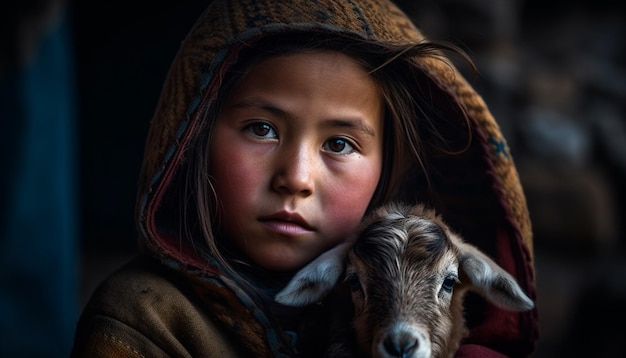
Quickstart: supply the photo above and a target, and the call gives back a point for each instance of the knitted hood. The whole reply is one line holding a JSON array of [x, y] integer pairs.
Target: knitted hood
[[477, 190]]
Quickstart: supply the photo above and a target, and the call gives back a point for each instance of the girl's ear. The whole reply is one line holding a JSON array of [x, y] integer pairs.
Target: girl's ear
[[315, 280], [491, 281]]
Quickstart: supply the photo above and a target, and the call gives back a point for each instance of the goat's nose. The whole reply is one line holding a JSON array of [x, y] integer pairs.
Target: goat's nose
[[404, 340], [401, 346]]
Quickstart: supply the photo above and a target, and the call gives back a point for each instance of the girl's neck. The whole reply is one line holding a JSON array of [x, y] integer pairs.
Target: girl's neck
[[265, 281]]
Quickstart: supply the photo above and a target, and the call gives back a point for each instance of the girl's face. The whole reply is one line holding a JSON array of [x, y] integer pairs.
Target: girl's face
[[296, 155]]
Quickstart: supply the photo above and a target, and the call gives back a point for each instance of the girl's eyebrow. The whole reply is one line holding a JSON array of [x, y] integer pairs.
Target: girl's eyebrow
[[354, 123], [259, 103]]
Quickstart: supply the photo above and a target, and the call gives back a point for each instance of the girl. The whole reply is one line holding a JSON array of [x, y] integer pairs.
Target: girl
[[281, 123]]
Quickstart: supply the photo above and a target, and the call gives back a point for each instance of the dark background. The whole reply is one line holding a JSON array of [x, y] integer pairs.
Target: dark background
[[123, 52], [552, 72]]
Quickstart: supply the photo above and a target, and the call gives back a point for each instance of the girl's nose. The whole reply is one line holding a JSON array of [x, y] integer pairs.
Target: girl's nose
[[294, 172]]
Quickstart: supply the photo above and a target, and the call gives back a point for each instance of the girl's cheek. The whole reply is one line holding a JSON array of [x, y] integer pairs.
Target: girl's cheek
[[348, 202]]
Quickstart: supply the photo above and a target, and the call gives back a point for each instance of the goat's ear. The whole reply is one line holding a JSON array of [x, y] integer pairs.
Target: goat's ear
[[491, 281], [315, 280]]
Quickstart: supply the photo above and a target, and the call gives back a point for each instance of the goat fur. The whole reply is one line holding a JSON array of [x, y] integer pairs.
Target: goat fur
[[408, 273]]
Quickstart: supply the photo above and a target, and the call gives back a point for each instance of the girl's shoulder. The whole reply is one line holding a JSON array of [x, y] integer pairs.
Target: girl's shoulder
[[145, 308]]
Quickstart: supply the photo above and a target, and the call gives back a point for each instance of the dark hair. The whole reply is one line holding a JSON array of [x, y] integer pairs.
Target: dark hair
[[408, 119]]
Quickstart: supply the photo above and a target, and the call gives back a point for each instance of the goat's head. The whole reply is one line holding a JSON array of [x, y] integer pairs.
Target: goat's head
[[408, 273]]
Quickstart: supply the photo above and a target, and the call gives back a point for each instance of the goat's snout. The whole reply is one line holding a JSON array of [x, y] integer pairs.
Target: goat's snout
[[400, 346], [404, 341]]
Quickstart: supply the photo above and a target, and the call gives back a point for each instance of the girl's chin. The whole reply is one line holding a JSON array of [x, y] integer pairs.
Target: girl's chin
[[282, 263]]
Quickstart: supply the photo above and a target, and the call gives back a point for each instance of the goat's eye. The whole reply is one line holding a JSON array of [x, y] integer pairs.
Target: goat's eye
[[353, 282], [448, 283]]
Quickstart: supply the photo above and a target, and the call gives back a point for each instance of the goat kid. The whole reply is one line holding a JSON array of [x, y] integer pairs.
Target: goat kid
[[408, 273]]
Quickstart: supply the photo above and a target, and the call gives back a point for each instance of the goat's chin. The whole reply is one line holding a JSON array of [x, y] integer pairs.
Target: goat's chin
[[402, 340]]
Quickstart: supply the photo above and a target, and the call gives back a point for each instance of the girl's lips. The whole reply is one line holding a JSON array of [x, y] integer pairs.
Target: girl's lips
[[286, 223], [282, 227]]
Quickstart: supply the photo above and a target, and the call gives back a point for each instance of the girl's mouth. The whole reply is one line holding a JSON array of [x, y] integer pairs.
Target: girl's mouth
[[286, 223], [288, 228]]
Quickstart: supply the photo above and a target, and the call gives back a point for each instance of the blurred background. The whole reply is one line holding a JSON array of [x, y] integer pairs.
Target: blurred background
[[79, 82]]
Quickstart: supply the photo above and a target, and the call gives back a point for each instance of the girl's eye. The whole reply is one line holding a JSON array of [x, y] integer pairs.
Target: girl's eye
[[339, 146], [262, 130]]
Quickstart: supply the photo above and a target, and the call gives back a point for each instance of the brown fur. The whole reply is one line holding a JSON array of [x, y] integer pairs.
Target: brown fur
[[396, 270]]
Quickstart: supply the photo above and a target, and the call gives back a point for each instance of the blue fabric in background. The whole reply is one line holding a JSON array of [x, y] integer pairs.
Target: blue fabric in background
[[39, 227]]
